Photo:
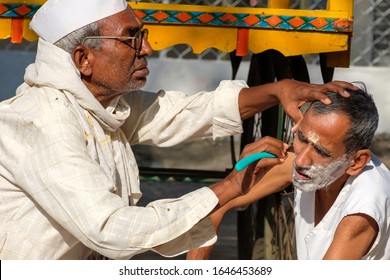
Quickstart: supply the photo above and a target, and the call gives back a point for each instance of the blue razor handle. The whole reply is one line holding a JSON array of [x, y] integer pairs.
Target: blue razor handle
[[241, 164]]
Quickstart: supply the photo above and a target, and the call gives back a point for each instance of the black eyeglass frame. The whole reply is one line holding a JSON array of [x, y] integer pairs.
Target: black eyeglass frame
[[140, 35]]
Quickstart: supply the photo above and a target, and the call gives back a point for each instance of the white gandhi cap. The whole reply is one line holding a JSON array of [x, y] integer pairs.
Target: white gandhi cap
[[57, 18]]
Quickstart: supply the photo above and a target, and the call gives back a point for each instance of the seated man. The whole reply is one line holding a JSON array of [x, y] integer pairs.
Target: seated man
[[342, 191]]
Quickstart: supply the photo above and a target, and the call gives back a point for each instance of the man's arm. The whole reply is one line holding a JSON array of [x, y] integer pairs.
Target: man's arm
[[353, 238]]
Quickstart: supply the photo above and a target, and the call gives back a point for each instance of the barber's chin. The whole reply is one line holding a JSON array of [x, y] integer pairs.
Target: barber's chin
[[138, 84]]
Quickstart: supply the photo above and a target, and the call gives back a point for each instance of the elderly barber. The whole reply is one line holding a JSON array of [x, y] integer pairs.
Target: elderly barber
[[69, 181]]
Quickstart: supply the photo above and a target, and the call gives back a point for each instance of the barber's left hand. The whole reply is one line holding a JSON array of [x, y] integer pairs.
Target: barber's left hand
[[293, 94], [247, 178]]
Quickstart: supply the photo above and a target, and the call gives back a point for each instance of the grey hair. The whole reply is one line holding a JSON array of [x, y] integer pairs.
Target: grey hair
[[74, 39], [363, 115]]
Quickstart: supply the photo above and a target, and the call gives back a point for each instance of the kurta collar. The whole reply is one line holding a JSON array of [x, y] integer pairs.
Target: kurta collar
[[54, 68]]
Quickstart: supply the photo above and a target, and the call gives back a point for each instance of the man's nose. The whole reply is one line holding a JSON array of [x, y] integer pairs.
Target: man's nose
[[303, 156]]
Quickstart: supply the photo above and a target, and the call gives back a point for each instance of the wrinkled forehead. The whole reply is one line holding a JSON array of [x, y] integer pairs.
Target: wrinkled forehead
[[324, 129], [121, 23]]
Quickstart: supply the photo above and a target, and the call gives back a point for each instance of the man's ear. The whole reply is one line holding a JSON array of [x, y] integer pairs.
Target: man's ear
[[83, 58], [361, 158]]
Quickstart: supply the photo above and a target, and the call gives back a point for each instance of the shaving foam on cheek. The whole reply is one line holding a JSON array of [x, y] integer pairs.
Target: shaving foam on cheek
[[321, 176]]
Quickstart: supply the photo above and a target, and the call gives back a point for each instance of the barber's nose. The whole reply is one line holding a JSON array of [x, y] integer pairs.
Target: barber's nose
[[146, 48]]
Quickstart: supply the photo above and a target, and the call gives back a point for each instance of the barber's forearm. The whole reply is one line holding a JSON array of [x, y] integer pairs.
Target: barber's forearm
[[224, 192], [257, 99], [276, 179]]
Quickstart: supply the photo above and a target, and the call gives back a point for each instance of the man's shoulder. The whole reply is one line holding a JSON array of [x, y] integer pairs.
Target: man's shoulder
[[371, 186], [36, 103], [375, 171]]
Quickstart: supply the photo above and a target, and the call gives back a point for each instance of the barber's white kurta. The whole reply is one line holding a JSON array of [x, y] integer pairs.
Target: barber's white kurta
[[68, 178], [367, 193]]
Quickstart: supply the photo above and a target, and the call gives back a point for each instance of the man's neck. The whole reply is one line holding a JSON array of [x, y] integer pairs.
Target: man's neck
[[325, 197]]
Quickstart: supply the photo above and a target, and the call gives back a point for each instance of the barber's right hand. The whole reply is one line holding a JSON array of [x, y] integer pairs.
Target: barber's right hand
[[244, 180]]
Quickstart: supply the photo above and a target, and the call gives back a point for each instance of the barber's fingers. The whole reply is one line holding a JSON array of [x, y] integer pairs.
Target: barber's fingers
[[313, 92], [265, 164], [339, 87], [295, 127], [295, 114], [266, 144]]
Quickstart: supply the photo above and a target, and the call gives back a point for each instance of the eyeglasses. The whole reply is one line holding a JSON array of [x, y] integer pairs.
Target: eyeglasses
[[134, 42]]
